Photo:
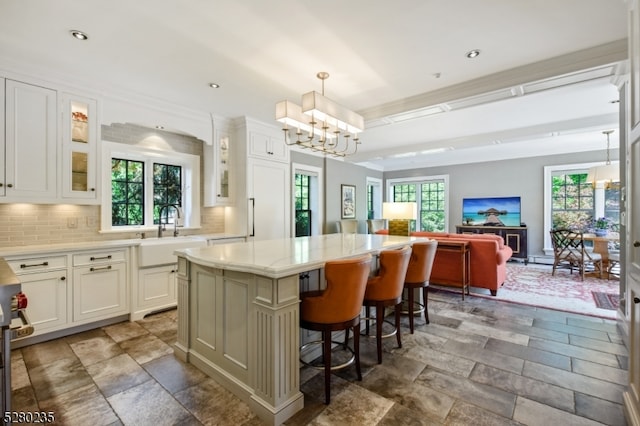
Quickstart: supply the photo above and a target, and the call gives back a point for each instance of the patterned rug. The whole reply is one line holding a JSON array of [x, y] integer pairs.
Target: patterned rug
[[606, 300], [533, 285]]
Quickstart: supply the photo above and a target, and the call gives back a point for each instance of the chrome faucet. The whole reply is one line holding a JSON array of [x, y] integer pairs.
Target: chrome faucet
[[161, 226]]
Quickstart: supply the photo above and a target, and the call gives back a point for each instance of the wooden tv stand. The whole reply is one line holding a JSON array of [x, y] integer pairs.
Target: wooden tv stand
[[513, 236]]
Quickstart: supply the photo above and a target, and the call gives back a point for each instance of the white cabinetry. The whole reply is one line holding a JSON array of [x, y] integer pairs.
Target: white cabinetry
[[268, 189], [66, 290], [2, 138], [99, 285], [29, 168], [218, 171], [45, 159], [268, 145], [156, 290], [216, 241], [79, 148], [44, 281], [263, 173]]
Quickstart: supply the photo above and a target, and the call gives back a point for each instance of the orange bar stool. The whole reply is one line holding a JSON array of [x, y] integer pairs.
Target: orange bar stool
[[418, 274], [385, 289], [337, 308]]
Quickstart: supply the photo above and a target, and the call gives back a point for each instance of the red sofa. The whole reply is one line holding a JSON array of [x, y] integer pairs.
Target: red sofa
[[487, 256]]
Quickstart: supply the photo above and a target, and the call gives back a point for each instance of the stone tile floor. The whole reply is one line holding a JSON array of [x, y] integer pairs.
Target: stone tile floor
[[479, 362]]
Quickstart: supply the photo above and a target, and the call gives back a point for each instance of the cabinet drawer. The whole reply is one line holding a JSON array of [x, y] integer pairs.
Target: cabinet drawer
[[37, 264], [92, 258]]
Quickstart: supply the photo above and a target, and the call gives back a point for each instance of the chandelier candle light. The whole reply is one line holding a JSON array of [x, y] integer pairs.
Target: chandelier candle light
[[321, 124]]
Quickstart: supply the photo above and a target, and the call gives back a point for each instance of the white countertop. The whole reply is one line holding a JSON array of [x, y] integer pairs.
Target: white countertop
[[97, 245], [284, 257]]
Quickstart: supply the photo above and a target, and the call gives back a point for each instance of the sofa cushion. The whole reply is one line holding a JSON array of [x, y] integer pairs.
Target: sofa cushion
[[497, 238], [428, 234]]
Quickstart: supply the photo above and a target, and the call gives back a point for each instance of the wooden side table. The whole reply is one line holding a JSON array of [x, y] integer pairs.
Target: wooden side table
[[458, 252]]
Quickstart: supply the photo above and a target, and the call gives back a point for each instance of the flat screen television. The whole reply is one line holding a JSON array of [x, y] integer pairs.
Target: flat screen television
[[491, 211]]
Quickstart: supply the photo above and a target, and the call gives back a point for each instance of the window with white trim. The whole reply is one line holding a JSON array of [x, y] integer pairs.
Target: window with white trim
[[432, 198], [141, 181], [307, 201], [374, 198], [572, 202]]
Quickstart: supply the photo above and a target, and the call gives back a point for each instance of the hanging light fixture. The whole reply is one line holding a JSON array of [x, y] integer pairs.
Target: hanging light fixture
[[604, 173], [320, 124]]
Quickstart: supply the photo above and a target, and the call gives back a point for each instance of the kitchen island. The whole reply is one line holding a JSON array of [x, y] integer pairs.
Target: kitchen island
[[238, 312]]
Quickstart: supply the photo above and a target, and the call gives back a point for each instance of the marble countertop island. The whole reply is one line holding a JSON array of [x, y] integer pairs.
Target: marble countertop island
[[238, 312], [285, 257]]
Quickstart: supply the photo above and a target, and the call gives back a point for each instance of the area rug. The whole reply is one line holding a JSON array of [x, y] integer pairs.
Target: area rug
[[533, 285], [606, 300]]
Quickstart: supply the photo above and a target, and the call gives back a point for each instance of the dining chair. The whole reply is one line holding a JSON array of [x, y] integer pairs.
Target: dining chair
[[348, 226], [337, 308], [418, 274], [375, 225], [385, 290], [613, 265], [569, 251]]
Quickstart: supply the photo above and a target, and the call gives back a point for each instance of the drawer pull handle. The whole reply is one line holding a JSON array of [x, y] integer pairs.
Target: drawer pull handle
[[93, 258], [104, 268], [24, 265]]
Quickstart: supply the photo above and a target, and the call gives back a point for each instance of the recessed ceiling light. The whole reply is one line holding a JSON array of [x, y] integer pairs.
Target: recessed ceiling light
[[214, 85], [473, 53], [79, 35]]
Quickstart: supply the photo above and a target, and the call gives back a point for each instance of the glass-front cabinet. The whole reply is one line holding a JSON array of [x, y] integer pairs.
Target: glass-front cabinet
[[223, 167], [79, 145], [218, 166]]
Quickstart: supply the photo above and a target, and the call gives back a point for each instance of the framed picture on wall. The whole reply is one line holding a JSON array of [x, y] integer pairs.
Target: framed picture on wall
[[348, 202]]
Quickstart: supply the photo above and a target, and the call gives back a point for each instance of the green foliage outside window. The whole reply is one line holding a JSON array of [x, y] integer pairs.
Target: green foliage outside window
[[127, 192], [302, 201], [430, 199], [572, 201], [167, 190]]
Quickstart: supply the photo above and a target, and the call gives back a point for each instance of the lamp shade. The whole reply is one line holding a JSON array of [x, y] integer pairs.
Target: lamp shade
[[604, 173], [395, 211]]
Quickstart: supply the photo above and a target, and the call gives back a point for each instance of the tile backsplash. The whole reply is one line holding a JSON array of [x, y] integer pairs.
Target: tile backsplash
[[36, 224]]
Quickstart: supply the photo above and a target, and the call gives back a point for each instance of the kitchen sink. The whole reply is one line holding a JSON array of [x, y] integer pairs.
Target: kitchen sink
[[159, 251]]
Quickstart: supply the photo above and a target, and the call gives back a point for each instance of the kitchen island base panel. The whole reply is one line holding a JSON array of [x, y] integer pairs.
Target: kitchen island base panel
[[238, 312], [242, 329], [257, 405]]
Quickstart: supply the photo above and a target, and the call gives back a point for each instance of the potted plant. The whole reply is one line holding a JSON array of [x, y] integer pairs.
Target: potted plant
[[601, 226]]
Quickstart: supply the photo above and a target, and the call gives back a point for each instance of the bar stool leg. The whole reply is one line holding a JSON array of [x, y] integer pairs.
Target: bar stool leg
[[367, 316], [326, 357], [379, 321], [356, 348], [425, 296], [398, 337], [410, 299]]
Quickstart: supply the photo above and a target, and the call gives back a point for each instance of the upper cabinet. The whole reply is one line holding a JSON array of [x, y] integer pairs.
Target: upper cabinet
[[29, 168], [79, 148], [218, 166], [48, 149], [269, 147]]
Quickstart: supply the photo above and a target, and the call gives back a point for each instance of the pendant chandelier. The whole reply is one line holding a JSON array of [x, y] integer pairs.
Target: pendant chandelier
[[320, 124], [604, 173]]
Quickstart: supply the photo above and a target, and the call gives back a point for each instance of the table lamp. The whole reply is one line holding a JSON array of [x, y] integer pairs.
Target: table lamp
[[401, 217]]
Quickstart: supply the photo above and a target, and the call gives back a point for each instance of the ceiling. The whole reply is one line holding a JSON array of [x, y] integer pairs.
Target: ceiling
[[542, 84]]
